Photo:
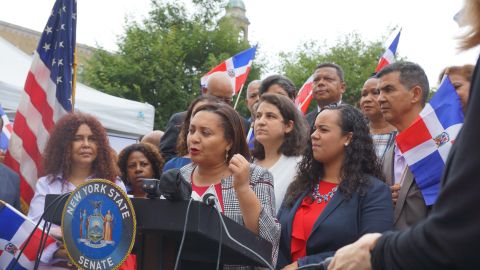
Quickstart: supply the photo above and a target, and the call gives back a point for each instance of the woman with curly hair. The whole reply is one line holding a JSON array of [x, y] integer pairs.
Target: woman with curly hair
[[337, 195], [280, 140], [138, 161], [77, 150]]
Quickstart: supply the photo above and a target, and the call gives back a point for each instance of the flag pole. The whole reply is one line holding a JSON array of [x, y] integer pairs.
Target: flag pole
[[238, 97], [74, 80]]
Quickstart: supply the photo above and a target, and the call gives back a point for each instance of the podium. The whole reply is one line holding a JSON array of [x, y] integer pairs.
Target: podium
[[160, 226]]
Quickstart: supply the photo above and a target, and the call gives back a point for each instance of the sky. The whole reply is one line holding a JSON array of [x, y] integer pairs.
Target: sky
[[428, 29]]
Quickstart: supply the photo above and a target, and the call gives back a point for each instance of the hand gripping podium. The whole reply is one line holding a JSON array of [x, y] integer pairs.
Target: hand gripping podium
[[160, 226]]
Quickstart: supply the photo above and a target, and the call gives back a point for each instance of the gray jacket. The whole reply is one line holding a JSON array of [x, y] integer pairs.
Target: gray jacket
[[9, 186]]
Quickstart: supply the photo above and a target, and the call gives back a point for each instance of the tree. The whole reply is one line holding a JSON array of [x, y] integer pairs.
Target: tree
[[357, 58], [161, 60]]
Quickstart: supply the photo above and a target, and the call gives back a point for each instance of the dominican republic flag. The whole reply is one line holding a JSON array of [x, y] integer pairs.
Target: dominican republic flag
[[237, 67], [47, 97], [14, 231], [304, 96], [427, 142], [388, 56], [6, 130]]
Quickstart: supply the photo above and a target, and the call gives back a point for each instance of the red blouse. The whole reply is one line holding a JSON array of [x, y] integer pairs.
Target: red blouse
[[305, 217], [201, 190]]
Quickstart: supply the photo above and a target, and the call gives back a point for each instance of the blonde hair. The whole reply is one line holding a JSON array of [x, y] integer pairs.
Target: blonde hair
[[471, 15], [465, 71]]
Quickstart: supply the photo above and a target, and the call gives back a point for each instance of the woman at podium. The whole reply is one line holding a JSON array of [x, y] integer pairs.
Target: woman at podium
[[219, 152], [337, 195], [77, 150]]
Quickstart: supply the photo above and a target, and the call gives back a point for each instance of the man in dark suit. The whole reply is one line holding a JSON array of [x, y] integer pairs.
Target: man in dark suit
[[219, 85], [328, 87], [403, 93], [9, 183]]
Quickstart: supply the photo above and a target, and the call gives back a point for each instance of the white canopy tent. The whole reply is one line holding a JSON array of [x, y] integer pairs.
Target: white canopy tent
[[118, 115]]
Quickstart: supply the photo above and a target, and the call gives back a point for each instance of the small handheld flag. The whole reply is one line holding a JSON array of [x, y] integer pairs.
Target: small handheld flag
[[427, 142]]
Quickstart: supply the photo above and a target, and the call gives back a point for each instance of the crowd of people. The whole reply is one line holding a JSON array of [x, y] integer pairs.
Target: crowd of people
[[309, 185]]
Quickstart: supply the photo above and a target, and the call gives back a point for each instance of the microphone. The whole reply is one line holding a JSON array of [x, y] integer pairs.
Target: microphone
[[151, 187], [174, 187], [171, 185], [211, 199]]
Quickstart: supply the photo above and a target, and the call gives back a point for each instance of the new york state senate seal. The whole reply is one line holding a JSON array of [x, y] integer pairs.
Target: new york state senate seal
[[98, 225]]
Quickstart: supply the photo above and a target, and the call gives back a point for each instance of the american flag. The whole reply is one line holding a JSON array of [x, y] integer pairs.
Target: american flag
[[237, 67], [6, 130], [426, 143], [388, 56], [47, 96]]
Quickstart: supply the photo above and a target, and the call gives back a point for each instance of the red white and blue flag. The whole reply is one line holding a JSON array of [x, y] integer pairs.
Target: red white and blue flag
[[388, 56], [426, 143], [47, 96], [15, 229], [237, 67], [304, 96], [6, 130]]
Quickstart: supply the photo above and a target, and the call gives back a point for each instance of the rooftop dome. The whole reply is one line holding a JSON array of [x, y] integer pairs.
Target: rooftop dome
[[236, 4]]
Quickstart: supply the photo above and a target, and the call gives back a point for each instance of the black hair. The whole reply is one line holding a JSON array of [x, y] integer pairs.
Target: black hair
[[411, 75], [360, 160], [295, 141], [282, 81], [338, 68]]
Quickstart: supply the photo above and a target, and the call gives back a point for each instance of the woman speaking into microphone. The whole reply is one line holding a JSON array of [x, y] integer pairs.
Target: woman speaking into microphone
[[219, 153]]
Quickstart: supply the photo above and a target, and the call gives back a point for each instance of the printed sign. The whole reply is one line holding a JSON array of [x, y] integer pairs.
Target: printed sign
[[98, 225]]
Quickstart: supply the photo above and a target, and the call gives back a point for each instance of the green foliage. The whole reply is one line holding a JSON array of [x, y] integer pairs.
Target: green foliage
[[357, 58], [161, 60]]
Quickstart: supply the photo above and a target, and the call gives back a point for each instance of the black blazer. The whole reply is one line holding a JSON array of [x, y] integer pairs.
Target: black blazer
[[342, 222], [168, 143], [449, 238], [311, 116]]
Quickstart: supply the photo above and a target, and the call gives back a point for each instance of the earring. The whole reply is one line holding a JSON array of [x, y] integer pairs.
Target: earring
[[226, 155], [346, 144]]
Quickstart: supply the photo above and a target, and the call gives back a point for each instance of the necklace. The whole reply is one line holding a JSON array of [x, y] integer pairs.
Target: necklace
[[320, 198]]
